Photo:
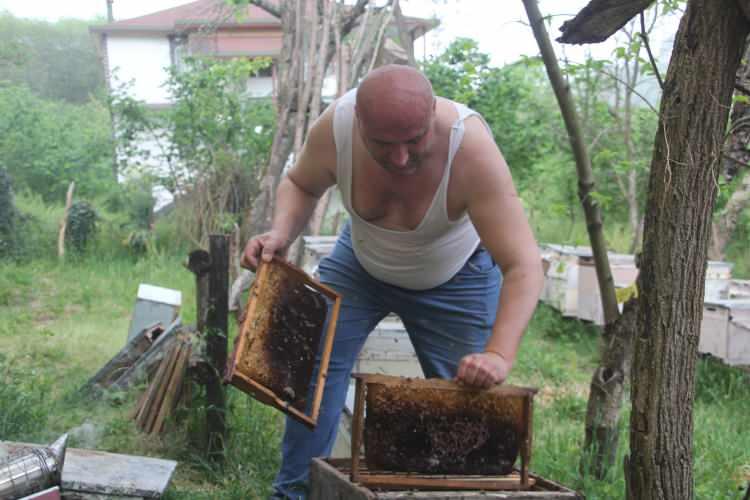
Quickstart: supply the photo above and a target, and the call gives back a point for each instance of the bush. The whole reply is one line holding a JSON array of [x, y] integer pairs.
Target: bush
[[8, 215], [81, 225], [22, 405], [45, 145]]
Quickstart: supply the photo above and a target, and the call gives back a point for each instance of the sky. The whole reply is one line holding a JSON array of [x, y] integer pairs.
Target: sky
[[499, 26]]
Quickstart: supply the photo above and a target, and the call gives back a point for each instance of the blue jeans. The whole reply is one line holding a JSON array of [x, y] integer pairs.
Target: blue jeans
[[444, 323]]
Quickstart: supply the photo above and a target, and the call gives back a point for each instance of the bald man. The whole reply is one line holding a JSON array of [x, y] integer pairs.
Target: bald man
[[434, 218]]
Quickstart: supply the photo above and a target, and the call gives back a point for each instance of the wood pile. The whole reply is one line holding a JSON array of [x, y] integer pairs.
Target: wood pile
[[163, 393], [135, 361]]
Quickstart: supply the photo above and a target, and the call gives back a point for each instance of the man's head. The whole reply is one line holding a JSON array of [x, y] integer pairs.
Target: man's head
[[396, 117]]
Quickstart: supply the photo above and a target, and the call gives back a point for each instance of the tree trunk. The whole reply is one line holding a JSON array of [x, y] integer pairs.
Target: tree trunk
[[682, 192], [606, 393], [607, 382], [291, 64]]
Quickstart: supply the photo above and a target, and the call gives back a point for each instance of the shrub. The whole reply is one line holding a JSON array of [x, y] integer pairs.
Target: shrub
[[81, 225], [22, 406], [8, 215]]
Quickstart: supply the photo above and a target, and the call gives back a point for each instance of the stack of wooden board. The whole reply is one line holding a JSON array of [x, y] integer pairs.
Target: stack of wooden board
[[162, 395]]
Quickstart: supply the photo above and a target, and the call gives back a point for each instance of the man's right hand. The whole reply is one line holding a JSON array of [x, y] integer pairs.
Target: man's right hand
[[263, 247]]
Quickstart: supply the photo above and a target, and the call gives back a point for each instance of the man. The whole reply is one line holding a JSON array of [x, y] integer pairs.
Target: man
[[433, 208]]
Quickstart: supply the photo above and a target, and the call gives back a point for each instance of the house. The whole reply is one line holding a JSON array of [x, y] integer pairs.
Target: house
[[141, 49], [137, 54]]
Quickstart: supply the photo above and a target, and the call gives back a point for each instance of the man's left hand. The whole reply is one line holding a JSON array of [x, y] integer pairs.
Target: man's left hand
[[483, 370]]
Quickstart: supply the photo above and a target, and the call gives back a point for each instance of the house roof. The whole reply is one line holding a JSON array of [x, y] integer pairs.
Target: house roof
[[216, 12], [191, 16]]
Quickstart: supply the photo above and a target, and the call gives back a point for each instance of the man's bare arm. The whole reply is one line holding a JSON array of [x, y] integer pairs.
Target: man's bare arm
[[497, 213]]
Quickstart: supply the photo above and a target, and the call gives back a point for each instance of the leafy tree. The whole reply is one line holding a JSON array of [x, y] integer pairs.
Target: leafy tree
[[8, 216], [55, 60], [45, 144], [458, 72], [210, 145]]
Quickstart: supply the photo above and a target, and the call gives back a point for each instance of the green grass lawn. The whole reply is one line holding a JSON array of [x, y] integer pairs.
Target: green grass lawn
[[60, 323]]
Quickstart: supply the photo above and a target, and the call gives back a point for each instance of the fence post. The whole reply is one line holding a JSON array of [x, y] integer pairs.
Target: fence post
[[217, 322]]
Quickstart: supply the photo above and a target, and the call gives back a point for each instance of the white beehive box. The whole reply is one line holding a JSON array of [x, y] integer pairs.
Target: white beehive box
[[389, 351], [561, 278], [718, 279], [725, 331], [154, 304], [315, 248], [739, 289], [624, 274]]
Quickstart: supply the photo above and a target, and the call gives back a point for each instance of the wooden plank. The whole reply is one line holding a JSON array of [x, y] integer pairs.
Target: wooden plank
[[327, 483], [161, 387], [396, 482], [326, 357], [124, 359], [267, 396], [173, 387], [358, 424], [528, 408], [145, 416], [334, 474], [98, 472], [143, 366], [478, 495]]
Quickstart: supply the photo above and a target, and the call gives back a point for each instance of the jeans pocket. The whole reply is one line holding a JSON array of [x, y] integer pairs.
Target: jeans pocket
[[481, 261]]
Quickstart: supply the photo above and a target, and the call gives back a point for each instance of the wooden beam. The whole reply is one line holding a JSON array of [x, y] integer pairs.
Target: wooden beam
[[217, 327], [600, 19]]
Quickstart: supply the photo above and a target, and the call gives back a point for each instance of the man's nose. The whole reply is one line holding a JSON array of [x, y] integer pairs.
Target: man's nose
[[400, 155]]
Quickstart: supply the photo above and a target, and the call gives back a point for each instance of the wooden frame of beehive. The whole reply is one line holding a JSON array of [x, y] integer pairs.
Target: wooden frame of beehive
[[517, 480], [246, 361]]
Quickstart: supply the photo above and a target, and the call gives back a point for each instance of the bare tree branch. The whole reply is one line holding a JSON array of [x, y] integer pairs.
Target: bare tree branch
[[644, 36], [643, 98], [745, 8], [600, 19], [268, 6], [350, 19]]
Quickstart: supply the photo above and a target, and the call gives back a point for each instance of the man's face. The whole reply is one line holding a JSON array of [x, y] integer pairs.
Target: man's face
[[400, 151]]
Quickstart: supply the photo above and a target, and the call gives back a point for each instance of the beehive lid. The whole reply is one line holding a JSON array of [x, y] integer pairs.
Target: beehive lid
[[160, 295]]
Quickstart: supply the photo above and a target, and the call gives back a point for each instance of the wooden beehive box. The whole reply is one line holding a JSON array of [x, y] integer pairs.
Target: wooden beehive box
[[437, 426], [283, 331], [331, 479]]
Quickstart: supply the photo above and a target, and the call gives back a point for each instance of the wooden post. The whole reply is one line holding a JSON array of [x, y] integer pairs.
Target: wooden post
[[64, 221], [217, 321], [199, 262]]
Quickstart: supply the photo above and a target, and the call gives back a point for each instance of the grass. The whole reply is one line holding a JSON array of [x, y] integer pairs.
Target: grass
[[60, 322]]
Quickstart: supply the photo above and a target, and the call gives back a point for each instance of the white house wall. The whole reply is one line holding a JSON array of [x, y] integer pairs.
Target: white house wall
[[142, 60], [261, 86]]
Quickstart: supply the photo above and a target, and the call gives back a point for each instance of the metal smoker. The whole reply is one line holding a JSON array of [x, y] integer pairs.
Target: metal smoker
[[32, 469]]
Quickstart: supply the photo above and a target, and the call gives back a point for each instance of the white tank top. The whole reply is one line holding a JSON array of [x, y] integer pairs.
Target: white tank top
[[424, 258]]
